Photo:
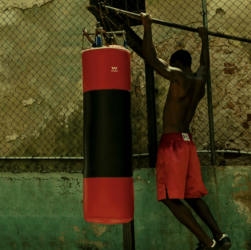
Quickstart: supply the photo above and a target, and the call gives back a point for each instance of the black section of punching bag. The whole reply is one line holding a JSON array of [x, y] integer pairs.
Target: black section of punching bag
[[107, 133]]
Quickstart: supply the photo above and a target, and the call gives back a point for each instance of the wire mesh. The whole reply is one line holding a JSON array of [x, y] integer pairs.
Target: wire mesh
[[41, 85], [41, 77], [230, 64]]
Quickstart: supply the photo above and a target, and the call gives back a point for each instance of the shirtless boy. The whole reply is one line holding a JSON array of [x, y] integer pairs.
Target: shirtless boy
[[178, 170]]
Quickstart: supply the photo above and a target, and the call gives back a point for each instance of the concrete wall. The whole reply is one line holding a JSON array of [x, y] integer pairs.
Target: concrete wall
[[45, 211], [41, 77], [41, 80], [230, 72]]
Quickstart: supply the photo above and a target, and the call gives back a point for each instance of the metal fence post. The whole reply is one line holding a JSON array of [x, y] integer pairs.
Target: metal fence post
[[151, 116], [209, 92]]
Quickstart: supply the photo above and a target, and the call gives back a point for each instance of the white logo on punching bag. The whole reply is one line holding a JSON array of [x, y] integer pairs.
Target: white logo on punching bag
[[114, 69]]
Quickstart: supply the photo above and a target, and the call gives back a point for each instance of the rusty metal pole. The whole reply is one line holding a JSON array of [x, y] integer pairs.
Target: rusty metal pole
[[209, 91]]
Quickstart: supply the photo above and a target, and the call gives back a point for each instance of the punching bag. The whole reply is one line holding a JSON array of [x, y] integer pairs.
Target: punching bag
[[108, 177]]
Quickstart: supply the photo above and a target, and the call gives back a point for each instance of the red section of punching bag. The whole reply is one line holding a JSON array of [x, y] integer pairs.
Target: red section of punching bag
[[108, 200], [106, 68]]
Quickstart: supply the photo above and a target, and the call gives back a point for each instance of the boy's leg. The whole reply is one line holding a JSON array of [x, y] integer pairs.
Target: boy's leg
[[202, 210], [183, 214]]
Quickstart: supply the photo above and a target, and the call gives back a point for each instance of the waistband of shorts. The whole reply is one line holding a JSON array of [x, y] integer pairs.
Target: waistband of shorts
[[176, 137]]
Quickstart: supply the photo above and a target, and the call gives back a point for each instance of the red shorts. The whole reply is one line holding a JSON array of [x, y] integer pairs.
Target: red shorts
[[178, 168]]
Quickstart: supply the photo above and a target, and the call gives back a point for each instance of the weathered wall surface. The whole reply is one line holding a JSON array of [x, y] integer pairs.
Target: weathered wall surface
[[230, 73], [45, 211], [20, 4], [41, 77], [40, 80]]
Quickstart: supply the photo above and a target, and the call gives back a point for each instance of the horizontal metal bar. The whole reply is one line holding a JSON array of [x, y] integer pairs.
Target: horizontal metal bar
[[135, 155], [224, 151], [41, 158], [115, 32], [54, 158], [178, 26]]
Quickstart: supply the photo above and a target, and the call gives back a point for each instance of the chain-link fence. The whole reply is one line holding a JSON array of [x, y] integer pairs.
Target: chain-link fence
[[41, 79]]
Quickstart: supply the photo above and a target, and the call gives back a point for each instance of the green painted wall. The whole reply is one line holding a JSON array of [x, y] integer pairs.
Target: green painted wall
[[45, 211]]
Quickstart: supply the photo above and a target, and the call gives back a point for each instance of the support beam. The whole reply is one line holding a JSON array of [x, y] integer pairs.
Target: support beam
[[133, 40], [177, 26]]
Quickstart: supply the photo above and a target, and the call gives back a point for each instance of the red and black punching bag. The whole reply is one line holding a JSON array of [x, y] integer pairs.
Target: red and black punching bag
[[108, 176]]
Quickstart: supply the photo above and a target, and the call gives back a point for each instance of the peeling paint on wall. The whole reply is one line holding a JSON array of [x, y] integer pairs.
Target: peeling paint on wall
[[11, 137], [88, 244], [98, 229], [242, 198], [23, 4], [66, 112], [30, 101], [138, 178]]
